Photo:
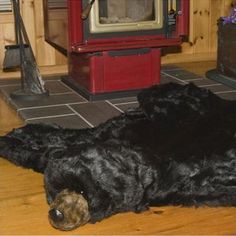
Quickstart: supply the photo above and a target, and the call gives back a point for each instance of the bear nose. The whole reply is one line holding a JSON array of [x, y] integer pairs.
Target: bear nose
[[56, 215]]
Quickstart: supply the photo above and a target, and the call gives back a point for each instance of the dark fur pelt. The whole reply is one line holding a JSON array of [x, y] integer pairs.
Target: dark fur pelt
[[178, 148]]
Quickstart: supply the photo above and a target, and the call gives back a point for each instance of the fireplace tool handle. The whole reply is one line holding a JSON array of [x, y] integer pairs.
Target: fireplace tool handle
[[87, 10]]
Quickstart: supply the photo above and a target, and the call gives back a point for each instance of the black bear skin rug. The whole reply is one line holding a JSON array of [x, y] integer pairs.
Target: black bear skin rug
[[177, 148]]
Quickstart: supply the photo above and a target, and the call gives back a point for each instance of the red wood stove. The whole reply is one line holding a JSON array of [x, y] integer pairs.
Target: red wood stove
[[116, 50]]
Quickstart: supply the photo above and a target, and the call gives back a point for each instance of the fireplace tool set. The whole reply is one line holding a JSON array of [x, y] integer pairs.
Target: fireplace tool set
[[21, 55]]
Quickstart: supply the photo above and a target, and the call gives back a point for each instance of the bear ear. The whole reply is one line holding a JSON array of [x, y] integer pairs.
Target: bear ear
[[157, 101], [157, 91]]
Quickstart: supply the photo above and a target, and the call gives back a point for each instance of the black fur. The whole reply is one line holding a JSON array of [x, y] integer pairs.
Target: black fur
[[178, 148]]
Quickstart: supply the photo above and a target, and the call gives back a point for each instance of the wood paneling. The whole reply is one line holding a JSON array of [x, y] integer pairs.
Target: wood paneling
[[202, 43]]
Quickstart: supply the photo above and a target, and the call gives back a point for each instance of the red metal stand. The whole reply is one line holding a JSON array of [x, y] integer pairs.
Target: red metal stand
[[110, 73]]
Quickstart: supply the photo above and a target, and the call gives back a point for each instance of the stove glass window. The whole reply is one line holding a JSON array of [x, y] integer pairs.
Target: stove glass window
[[126, 15], [125, 11]]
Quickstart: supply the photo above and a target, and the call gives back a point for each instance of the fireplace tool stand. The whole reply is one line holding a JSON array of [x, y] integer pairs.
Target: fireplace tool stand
[[32, 85]]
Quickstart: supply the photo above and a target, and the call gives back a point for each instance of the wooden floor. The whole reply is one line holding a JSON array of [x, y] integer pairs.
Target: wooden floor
[[23, 209]]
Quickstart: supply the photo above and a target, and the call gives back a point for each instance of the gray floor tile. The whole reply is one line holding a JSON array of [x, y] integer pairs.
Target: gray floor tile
[[51, 100], [165, 76], [96, 112], [125, 107], [52, 86], [167, 79], [169, 67], [55, 86], [183, 74], [219, 88], [228, 96], [123, 100], [32, 113], [205, 82], [8, 89], [72, 122], [52, 77]]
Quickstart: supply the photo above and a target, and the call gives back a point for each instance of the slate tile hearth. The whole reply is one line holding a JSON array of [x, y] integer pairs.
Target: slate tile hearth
[[67, 108]]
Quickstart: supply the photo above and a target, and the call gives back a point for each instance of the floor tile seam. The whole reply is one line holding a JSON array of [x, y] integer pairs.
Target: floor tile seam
[[173, 77], [225, 91], [50, 106], [125, 103], [114, 106], [57, 94], [66, 86], [195, 79], [228, 78], [48, 117], [209, 85], [79, 115], [51, 94], [50, 80], [9, 85]]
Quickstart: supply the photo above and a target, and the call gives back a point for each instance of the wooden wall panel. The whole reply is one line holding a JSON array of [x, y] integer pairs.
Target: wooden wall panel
[[202, 43], [216, 6], [27, 11], [201, 29], [32, 13], [46, 55]]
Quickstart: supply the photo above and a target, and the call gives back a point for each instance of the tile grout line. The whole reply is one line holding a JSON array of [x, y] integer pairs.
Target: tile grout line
[[72, 109], [227, 78], [117, 108], [9, 85], [49, 106], [66, 86], [51, 94], [173, 77], [56, 94], [48, 117], [124, 103], [229, 91], [50, 80], [208, 85], [15, 84], [196, 79]]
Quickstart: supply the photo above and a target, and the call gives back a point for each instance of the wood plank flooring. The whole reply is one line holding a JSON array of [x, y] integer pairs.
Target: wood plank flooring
[[23, 209]]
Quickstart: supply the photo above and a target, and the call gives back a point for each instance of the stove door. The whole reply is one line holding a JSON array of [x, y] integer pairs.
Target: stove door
[[119, 18]]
